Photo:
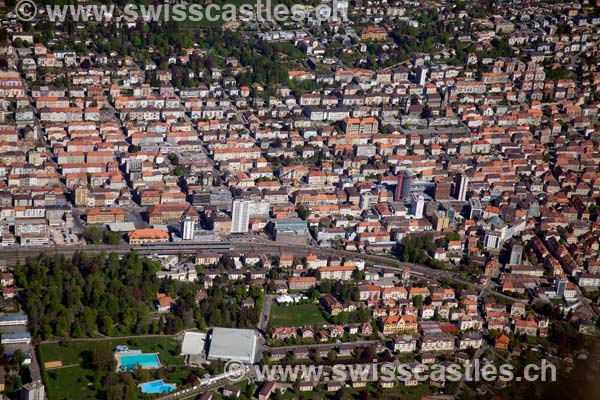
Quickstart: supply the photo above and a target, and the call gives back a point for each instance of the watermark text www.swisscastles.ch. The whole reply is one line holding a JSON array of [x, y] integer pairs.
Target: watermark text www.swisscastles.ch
[[260, 11]]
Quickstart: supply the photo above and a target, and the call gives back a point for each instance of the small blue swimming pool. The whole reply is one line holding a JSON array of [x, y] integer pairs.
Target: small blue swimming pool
[[158, 386], [129, 361]]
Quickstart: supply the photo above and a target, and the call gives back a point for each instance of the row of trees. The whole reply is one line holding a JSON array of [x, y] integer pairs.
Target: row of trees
[[415, 249], [87, 293], [96, 235], [222, 307], [92, 293]]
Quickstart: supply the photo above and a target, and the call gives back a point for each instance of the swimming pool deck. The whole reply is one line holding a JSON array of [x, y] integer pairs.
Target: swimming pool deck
[[156, 386], [133, 353]]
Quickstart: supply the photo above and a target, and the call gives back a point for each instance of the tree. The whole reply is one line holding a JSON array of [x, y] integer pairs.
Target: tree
[[332, 355], [452, 236], [325, 287], [106, 325], [303, 212], [13, 383], [173, 159], [18, 358], [418, 302], [178, 170], [92, 234], [109, 237], [426, 112], [101, 356], [250, 389], [85, 64], [131, 391]]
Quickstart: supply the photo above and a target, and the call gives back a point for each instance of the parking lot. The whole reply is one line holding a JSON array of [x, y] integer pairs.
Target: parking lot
[[64, 236]]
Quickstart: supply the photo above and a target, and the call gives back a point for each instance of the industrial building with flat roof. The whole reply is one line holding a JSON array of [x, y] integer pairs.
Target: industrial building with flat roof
[[193, 347], [233, 344], [13, 320], [16, 338], [291, 231]]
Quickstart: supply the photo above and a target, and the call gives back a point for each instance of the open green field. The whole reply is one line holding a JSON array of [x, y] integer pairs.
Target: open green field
[[69, 352], [296, 315], [74, 381]]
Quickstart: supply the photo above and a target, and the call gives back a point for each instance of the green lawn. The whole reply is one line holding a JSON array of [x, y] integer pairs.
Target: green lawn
[[69, 351], [296, 315], [69, 383], [73, 381]]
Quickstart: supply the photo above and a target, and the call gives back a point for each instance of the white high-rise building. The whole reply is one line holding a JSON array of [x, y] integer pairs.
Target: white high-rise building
[[461, 186], [188, 228], [421, 76], [240, 215], [417, 205], [516, 255], [33, 391]]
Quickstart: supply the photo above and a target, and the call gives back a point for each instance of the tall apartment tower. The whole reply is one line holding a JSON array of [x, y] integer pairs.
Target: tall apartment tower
[[460, 187], [421, 76], [33, 391], [240, 216], [561, 285], [405, 182], [516, 254], [417, 204], [187, 228]]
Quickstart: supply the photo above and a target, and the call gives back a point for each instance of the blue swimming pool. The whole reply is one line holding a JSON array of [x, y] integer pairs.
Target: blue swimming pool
[[158, 386], [128, 362]]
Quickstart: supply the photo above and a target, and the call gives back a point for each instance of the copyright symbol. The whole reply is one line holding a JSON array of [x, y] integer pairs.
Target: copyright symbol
[[26, 10], [234, 370]]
